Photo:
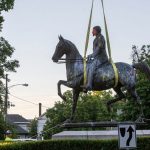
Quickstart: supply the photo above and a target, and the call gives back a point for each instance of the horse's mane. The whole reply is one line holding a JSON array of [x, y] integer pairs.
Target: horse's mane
[[73, 48]]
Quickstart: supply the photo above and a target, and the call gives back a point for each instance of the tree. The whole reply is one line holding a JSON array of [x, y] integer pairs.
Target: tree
[[6, 51], [5, 5], [33, 127], [91, 107], [131, 109], [6, 64]]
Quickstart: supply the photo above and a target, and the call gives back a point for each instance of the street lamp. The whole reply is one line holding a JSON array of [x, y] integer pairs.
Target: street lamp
[[6, 93], [25, 84]]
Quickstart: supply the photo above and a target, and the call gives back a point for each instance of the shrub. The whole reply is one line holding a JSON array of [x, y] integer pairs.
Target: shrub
[[143, 144]]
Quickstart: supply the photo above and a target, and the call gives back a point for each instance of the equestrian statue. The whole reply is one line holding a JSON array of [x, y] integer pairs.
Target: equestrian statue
[[100, 72]]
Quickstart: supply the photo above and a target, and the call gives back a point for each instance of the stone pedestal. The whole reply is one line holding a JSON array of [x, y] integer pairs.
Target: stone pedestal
[[85, 135]]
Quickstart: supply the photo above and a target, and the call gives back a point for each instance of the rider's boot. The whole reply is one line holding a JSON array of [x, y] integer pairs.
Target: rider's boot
[[89, 86]]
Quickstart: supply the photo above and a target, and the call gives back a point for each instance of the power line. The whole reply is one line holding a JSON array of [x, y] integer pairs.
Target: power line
[[26, 101]]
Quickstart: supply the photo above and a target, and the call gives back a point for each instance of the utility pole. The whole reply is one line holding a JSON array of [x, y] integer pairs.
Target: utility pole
[[6, 96]]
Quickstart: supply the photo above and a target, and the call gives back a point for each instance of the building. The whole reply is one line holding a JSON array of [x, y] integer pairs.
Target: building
[[41, 121], [20, 124]]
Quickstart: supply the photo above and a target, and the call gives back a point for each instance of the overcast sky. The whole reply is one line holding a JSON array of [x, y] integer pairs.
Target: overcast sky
[[32, 28]]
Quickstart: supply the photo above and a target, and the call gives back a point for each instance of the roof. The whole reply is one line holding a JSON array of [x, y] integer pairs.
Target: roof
[[42, 116], [18, 129], [12, 118]]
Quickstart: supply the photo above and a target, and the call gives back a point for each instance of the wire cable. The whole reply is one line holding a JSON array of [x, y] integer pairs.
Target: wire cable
[[27, 101], [43, 132]]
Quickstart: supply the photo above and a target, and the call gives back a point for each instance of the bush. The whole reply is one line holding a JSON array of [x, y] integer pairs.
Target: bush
[[143, 144]]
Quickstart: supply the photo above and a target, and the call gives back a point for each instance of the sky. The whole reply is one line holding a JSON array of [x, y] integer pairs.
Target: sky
[[32, 28]]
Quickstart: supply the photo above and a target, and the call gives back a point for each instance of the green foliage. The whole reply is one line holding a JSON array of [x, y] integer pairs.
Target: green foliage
[[33, 127], [6, 64], [140, 55], [131, 109], [143, 144], [1, 21], [2, 126], [12, 128], [6, 52], [5, 5], [90, 107], [1, 96]]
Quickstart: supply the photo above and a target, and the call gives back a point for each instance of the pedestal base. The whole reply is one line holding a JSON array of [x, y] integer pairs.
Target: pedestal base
[[93, 135]]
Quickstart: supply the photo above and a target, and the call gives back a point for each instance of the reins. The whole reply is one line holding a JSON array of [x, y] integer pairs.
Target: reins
[[64, 60]]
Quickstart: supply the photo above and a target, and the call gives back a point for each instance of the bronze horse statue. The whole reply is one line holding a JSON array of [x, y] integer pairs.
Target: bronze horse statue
[[104, 77]]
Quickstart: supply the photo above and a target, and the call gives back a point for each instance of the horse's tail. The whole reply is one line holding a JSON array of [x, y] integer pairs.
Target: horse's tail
[[143, 67]]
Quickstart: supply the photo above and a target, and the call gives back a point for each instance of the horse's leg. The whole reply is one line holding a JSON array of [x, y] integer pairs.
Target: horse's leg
[[120, 96], [62, 82], [135, 96], [74, 105]]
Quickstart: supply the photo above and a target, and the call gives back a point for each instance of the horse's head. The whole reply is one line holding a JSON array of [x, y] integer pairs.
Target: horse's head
[[60, 50]]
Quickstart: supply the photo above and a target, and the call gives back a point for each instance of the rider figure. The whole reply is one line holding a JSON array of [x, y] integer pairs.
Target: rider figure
[[98, 57]]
